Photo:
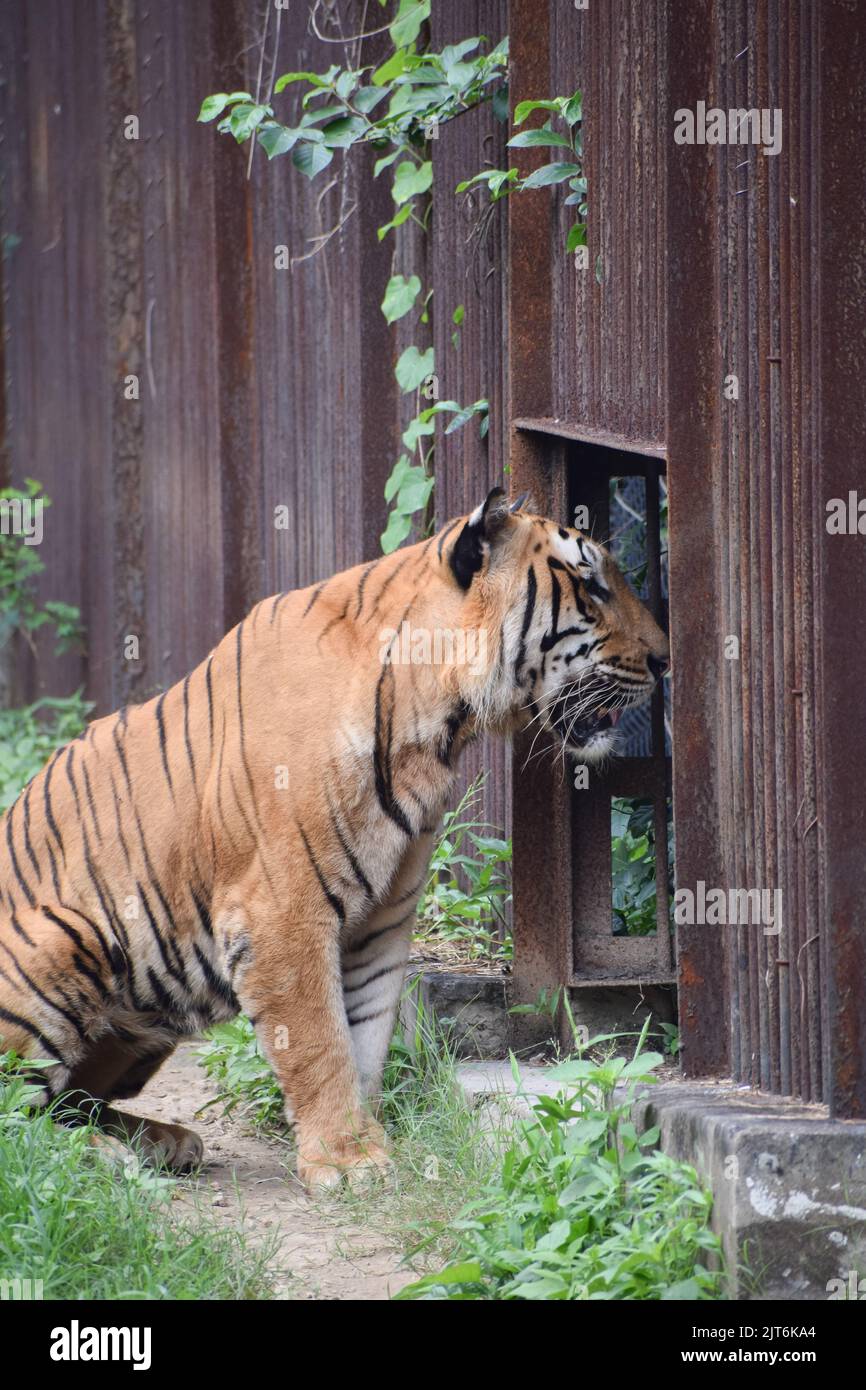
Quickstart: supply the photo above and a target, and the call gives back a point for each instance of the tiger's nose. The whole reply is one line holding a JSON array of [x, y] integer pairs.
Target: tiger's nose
[[658, 665]]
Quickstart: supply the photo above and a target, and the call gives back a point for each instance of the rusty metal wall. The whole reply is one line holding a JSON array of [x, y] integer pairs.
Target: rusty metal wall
[[610, 316], [259, 387], [783, 1010]]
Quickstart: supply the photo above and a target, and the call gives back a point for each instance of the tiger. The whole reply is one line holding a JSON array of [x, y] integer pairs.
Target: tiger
[[256, 838]]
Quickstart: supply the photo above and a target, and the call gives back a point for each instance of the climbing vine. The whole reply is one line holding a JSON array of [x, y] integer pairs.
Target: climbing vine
[[398, 108]]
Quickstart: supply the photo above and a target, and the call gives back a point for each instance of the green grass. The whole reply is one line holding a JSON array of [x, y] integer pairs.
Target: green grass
[[569, 1204], [91, 1225], [582, 1207]]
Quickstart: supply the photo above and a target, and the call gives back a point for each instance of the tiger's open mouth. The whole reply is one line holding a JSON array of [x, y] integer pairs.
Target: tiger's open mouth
[[587, 732]]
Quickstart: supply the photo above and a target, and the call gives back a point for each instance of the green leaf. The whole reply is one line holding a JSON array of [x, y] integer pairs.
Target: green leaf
[[214, 106], [385, 162], [528, 139], [550, 173], [245, 118], [410, 179], [311, 158], [525, 108], [396, 221], [419, 428], [412, 368], [395, 532], [343, 132], [366, 98], [407, 25], [398, 473], [316, 79], [276, 139], [400, 295], [391, 68], [458, 315], [469, 1272], [453, 52], [573, 112]]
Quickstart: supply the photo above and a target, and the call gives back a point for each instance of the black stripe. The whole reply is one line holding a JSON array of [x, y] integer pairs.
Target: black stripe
[[161, 943], [335, 902], [122, 756], [152, 875], [263, 838], [374, 935], [65, 1013], [333, 623], [71, 779], [348, 851], [25, 806], [278, 598], [120, 835], [209, 684], [109, 953], [364, 577], [19, 930], [529, 609], [217, 984], [34, 1033], [315, 594], [73, 935], [163, 998], [203, 914], [382, 759], [162, 749], [445, 534], [256, 839], [91, 873], [366, 1018], [23, 884], [376, 975], [189, 752], [46, 800], [91, 803], [388, 582]]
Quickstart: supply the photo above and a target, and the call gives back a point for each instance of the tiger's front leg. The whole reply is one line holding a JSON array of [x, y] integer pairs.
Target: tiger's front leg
[[287, 979], [375, 955]]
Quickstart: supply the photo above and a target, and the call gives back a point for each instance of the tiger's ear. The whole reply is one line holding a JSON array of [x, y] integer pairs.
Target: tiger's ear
[[483, 526]]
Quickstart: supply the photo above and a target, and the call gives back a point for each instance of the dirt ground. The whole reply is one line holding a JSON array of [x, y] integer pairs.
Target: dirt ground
[[243, 1173]]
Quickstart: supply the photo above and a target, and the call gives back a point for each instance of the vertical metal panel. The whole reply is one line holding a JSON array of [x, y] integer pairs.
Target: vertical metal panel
[[468, 265], [542, 819], [841, 571], [693, 380], [611, 316], [51, 244]]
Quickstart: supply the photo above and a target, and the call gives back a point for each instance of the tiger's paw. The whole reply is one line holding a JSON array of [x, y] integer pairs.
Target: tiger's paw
[[360, 1163], [177, 1148]]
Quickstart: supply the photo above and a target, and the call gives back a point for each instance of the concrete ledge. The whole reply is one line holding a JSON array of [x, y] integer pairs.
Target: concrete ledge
[[472, 1007], [789, 1184]]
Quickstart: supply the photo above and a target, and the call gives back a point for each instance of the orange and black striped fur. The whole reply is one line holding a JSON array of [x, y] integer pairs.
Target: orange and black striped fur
[[258, 836]]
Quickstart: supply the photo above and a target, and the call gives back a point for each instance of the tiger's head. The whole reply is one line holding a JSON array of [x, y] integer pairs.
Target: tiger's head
[[572, 645]]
